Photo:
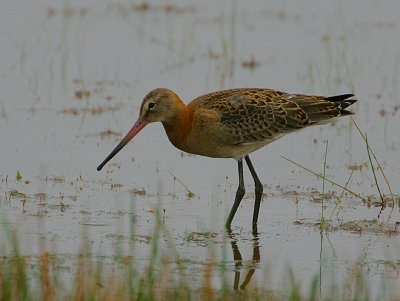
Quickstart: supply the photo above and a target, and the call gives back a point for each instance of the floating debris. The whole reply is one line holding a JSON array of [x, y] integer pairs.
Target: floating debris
[[16, 194], [358, 167], [83, 94], [374, 226], [40, 196], [94, 110], [251, 64], [94, 223], [58, 179]]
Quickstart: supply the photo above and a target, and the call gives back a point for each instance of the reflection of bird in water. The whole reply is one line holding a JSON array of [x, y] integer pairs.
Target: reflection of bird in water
[[238, 259], [233, 123]]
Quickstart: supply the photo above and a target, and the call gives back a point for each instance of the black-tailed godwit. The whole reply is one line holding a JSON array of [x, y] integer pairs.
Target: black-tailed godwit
[[233, 123]]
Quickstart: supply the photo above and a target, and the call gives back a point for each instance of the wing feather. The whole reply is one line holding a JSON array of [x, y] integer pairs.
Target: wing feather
[[245, 116]]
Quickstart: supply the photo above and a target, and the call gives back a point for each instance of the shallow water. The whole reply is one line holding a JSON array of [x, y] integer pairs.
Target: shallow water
[[53, 55]]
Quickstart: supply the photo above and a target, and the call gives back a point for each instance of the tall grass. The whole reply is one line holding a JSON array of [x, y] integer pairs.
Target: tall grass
[[161, 278]]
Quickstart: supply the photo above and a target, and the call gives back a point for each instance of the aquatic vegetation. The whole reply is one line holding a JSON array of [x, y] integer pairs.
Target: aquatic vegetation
[[48, 277]]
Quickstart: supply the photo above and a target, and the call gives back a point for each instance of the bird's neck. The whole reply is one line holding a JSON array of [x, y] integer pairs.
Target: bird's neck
[[178, 127]]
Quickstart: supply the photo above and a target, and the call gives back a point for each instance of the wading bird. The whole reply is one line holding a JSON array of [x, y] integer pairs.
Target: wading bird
[[233, 123]]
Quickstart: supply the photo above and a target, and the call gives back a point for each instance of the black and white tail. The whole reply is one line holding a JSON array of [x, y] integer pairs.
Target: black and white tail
[[344, 101]]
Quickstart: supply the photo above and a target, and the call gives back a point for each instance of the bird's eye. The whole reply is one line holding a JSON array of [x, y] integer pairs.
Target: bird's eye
[[152, 105]]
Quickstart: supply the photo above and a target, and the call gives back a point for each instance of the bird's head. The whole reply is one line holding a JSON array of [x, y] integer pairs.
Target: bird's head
[[158, 105]]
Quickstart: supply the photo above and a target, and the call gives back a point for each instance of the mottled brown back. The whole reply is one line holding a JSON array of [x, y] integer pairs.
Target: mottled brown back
[[251, 115]]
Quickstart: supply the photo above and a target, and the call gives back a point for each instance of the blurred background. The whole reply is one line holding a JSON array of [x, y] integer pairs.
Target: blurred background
[[72, 78]]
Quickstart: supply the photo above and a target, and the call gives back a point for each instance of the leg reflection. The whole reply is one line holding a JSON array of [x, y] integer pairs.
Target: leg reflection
[[237, 256]]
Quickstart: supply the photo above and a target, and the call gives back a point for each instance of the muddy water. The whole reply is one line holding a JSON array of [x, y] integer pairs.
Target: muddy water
[[72, 79]]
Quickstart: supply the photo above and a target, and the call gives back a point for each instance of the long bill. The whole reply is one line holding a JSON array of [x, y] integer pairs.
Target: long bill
[[137, 127]]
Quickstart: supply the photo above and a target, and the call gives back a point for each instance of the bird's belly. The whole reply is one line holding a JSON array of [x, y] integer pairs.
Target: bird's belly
[[206, 146]]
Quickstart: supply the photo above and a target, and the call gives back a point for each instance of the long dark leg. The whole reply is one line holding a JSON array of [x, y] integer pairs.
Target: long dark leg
[[239, 195], [259, 191]]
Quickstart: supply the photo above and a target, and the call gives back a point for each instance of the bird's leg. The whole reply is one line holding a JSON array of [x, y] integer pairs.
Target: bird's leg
[[259, 191], [239, 195]]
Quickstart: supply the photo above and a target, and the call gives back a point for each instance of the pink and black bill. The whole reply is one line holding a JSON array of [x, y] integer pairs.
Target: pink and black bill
[[137, 127]]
